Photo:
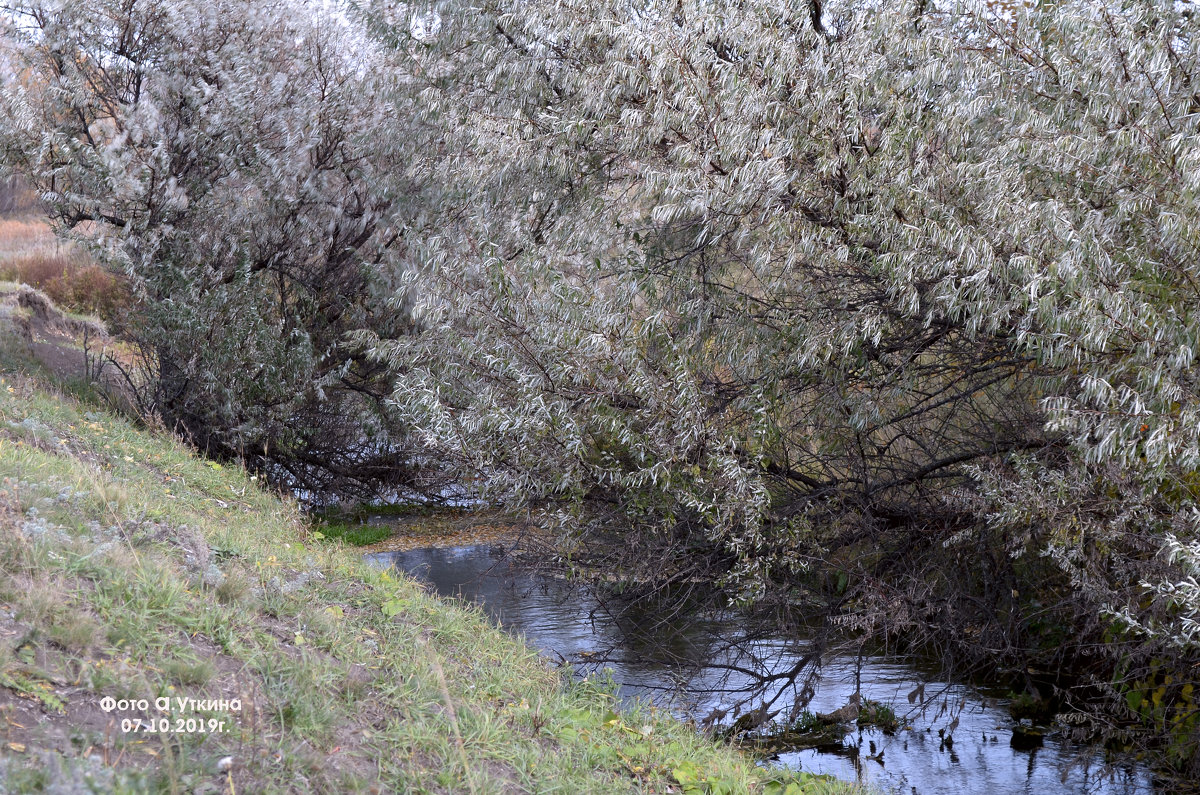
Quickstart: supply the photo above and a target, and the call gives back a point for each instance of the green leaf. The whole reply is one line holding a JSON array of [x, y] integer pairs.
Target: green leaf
[[394, 607], [686, 774]]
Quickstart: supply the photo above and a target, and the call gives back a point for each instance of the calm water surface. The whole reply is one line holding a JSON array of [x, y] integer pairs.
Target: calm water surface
[[678, 665]]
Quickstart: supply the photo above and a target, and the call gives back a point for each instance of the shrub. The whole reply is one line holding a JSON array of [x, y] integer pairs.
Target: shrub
[[70, 282]]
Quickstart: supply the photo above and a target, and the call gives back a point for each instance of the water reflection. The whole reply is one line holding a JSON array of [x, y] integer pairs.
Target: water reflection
[[955, 741]]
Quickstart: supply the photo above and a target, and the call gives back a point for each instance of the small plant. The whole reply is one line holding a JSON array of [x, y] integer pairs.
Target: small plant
[[810, 730], [72, 632], [879, 715], [30, 683], [233, 588], [41, 604], [189, 671]]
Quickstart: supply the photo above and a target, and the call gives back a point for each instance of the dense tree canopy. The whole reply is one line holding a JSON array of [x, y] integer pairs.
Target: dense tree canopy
[[228, 158], [903, 290]]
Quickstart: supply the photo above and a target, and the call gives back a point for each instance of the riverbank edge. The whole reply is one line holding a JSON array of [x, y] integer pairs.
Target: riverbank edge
[[145, 588]]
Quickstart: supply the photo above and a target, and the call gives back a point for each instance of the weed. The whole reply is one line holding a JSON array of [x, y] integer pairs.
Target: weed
[[26, 778], [880, 715], [32, 684], [74, 632], [189, 671], [811, 730], [40, 603], [232, 589]]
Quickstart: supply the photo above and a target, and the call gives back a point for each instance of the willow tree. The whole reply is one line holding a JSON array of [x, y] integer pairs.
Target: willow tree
[[900, 292], [226, 158]]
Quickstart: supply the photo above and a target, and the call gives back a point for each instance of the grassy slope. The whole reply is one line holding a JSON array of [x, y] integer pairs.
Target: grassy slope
[[131, 568]]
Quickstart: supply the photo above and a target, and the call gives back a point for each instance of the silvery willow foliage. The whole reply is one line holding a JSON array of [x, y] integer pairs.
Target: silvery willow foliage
[[904, 289], [226, 157]]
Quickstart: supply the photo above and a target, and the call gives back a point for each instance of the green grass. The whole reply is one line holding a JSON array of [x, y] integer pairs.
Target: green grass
[[356, 535], [132, 569]]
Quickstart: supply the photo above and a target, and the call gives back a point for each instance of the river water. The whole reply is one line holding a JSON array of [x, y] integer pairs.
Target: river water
[[683, 665]]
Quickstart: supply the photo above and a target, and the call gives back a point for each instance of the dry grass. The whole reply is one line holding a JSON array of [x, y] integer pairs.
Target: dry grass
[[20, 235], [31, 254]]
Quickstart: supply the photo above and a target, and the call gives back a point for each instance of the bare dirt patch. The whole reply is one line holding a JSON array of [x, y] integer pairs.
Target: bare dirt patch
[[69, 347], [55, 338]]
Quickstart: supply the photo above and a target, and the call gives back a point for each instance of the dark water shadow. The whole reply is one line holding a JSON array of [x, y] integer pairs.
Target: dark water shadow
[[953, 740]]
